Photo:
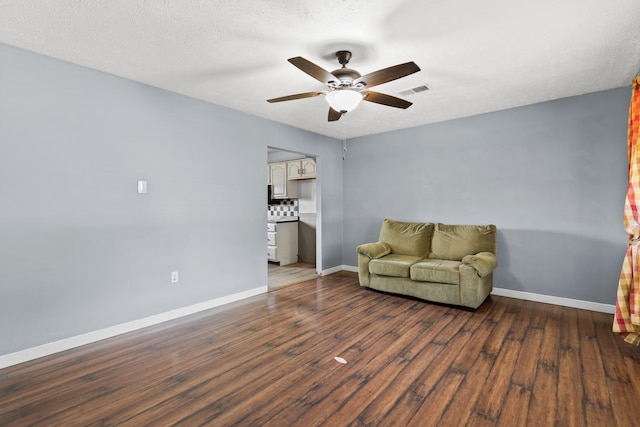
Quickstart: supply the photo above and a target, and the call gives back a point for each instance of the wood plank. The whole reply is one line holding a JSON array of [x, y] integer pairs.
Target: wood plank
[[388, 400], [619, 381], [354, 346], [498, 384], [543, 404], [515, 409], [570, 409], [438, 400], [371, 368], [596, 402], [475, 363]]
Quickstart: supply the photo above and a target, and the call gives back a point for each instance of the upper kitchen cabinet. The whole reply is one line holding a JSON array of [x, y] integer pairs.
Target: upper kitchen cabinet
[[282, 189], [301, 169]]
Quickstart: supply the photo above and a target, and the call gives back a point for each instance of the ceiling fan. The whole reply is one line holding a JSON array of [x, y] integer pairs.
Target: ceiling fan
[[347, 87]]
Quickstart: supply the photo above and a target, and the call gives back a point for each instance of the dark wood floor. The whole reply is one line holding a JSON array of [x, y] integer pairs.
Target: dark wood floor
[[269, 361]]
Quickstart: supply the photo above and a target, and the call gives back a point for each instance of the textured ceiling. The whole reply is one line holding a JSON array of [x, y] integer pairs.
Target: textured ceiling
[[475, 56]]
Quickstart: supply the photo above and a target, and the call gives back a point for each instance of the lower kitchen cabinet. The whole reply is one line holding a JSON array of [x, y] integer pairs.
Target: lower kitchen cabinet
[[282, 242]]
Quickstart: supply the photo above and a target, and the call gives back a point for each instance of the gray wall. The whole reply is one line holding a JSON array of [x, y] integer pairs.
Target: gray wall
[[552, 177], [80, 250]]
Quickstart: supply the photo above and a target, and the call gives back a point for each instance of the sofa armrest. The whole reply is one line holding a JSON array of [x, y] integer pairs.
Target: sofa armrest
[[483, 262], [374, 250], [366, 253]]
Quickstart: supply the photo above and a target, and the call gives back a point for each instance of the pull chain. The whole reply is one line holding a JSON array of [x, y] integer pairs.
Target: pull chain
[[344, 139]]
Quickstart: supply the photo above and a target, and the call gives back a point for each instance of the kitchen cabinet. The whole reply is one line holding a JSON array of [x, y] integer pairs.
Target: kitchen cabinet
[[282, 242], [301, 169], [281, 187], [279, 179]]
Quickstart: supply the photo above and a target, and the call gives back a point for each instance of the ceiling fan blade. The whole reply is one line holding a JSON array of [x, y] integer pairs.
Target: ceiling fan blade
[[334, 115], [312, 69], [296, 96], [381, 98], [387, 74]]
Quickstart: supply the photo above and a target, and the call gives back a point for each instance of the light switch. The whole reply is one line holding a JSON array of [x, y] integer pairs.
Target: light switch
[[142, 187]]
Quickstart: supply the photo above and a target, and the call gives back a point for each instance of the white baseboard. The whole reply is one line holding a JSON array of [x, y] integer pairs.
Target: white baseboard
[[549, 299], [72, 342], [334, 270]]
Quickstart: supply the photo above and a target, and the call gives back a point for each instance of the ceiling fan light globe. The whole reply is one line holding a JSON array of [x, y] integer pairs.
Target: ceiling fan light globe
[[344, 100]]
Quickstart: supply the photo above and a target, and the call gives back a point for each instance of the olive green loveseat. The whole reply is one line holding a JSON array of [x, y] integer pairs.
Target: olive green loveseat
[[450, 264]]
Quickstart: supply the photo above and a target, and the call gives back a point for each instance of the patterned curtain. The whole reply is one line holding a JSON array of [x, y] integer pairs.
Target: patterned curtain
[[627, 318]]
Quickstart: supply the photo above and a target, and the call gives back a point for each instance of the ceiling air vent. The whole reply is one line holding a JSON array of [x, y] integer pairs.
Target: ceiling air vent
[[414, 90]]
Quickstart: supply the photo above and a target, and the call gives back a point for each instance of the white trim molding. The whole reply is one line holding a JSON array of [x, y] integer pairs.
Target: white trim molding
[[350, 268], [549, 299], [336, 270], [90, 337]]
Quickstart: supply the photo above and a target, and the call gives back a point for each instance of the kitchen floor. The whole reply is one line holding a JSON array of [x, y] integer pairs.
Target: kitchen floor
[[281, 276]]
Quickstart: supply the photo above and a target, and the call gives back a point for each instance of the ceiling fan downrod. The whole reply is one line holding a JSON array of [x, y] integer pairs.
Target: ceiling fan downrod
[[343, 56]]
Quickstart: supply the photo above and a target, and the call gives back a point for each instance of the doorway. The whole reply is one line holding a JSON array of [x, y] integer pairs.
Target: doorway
[[302, 202]]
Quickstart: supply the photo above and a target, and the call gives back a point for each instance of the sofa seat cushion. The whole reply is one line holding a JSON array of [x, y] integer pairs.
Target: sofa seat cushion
[[393, 265], [436, 271]]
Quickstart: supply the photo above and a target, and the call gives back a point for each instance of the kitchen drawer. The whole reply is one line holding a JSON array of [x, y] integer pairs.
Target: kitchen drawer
[[271, 238], [282, 242]]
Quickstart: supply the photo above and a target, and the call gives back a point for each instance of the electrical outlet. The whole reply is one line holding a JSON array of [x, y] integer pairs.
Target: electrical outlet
[[174, 277]]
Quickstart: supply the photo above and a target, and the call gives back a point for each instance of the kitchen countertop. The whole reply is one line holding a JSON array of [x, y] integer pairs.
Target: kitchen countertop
[[277, 219]]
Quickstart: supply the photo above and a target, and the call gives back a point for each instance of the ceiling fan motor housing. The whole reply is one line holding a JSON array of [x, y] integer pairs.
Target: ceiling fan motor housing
[[344, 74]]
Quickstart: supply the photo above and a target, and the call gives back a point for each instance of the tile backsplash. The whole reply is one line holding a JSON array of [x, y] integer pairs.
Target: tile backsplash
[[285, 207]]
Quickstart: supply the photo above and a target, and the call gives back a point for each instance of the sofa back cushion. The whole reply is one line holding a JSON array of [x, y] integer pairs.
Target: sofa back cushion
[[407, 238], [454, 242]]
